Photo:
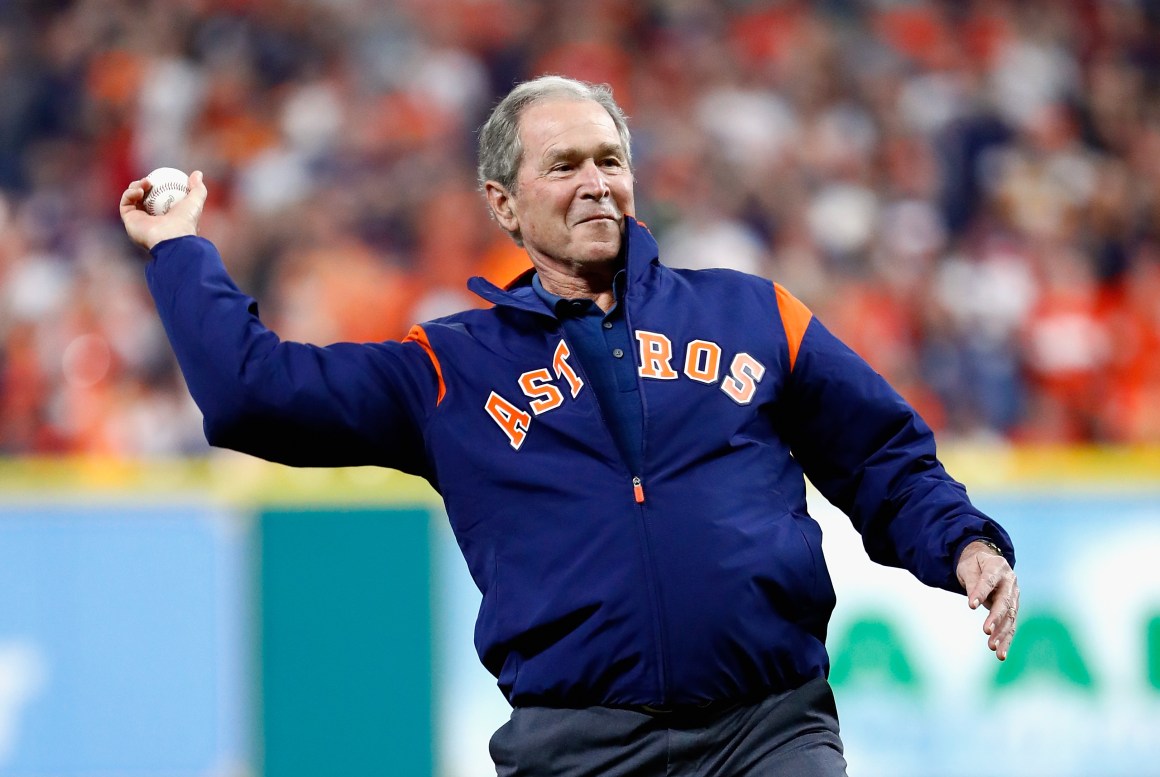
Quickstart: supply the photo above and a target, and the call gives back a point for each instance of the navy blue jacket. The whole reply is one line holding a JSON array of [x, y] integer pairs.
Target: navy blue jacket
[[699, 577]]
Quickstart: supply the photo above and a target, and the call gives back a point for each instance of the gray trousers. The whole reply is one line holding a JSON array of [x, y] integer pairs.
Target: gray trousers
[[793, 734]]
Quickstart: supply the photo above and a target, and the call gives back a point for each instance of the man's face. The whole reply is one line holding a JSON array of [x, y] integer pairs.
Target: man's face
[[573, 187]]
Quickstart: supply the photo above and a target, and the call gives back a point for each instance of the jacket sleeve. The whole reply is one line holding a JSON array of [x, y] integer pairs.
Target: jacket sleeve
[[304, 405], [869, 453]]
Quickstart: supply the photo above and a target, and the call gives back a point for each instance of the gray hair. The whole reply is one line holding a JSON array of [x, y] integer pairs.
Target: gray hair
[[500, 150]]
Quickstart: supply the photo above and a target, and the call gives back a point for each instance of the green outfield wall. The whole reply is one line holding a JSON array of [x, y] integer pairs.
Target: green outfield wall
[[345, 629]]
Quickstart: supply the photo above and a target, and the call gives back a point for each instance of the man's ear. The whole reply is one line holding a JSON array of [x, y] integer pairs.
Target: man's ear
[[499, 200]]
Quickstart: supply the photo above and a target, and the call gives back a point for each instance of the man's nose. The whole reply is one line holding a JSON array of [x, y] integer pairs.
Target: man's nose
[[594, 183]]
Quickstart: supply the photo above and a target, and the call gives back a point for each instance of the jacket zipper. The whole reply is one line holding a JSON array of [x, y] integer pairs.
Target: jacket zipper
[[638, 497], [659, 625]]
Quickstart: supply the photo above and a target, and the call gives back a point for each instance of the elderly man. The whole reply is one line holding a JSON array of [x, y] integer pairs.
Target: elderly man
[[621, 449]]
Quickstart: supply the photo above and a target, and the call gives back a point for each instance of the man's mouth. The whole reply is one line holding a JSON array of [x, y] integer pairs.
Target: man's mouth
[[599, 217]]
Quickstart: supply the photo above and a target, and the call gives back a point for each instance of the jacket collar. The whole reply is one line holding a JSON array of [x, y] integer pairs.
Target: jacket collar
[[640, 250]]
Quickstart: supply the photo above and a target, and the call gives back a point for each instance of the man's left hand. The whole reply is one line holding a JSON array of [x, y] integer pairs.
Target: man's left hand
[[989, 580]]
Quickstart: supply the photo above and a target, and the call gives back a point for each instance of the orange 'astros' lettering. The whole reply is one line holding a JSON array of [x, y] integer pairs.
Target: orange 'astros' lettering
[[702, 364], [656, 356], [564, 369], [744, 375], [511, 419], [702, 361]]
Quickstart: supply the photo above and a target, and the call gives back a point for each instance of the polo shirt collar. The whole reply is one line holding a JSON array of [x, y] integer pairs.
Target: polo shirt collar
[[579, 307]]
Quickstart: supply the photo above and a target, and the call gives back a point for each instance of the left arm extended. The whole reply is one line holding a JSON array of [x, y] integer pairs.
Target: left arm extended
[[871, 455]]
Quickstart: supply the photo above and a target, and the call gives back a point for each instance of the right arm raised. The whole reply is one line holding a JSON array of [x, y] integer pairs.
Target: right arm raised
[[340, 405]]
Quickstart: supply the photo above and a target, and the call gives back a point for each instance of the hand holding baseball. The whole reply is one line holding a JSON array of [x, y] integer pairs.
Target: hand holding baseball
[[148, 220]]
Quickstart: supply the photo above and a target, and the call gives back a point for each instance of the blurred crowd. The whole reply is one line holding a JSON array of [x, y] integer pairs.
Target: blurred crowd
[[964, 191]]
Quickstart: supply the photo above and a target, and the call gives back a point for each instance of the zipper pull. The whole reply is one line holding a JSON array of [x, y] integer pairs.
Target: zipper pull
[[638, 490]]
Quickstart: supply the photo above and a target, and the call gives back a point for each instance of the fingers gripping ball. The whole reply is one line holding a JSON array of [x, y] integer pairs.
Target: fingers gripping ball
[[169, 187]]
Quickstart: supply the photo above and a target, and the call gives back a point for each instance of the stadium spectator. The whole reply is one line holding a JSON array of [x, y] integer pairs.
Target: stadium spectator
[[966, 153]]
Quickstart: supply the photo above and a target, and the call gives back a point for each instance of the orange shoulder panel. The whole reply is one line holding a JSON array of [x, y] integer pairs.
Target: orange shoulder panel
[[418, 335], [795, 317]]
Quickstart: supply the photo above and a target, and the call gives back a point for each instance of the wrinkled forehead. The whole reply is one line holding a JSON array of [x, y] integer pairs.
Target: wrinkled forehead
[[553, 122]]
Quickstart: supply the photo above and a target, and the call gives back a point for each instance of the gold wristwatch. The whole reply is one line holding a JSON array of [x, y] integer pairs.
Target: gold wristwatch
[[991, 545]]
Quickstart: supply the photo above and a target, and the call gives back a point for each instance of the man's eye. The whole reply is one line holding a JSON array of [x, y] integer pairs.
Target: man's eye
[[612, 162], [561, 168]]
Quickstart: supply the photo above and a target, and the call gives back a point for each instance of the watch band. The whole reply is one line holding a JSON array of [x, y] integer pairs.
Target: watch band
[[991, 545]]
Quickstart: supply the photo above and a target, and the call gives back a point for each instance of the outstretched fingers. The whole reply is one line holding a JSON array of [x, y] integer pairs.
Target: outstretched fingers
[[997, 589], [1000, 624]]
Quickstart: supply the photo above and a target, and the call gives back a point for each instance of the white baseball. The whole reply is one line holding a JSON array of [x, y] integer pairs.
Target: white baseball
[[169, 186]]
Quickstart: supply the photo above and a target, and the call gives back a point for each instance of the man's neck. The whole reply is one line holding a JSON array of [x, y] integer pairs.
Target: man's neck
[[594, 283]]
